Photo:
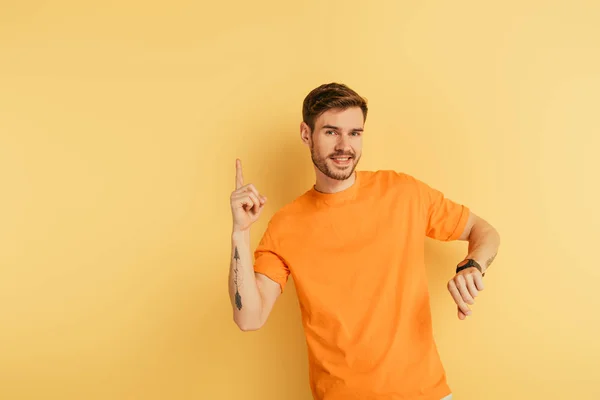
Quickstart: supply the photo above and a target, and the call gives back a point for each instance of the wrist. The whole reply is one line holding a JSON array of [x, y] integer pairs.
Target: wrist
[[478, 258], [470, 262], [240, 234]]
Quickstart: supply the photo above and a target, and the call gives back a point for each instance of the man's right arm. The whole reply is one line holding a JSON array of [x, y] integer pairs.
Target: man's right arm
[[252, 295]]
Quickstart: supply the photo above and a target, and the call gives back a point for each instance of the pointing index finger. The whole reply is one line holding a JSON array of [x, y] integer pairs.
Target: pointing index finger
[[239, 177]]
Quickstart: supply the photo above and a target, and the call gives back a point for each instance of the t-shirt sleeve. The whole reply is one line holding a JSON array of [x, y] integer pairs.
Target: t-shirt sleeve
[[268, 260], [445, 219]]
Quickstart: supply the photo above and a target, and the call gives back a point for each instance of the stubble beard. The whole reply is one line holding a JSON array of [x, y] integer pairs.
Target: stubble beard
[[321, 164]]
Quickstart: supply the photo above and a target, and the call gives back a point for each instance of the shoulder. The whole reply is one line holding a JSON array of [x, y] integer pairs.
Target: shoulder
[[288, 215], [389, 179]]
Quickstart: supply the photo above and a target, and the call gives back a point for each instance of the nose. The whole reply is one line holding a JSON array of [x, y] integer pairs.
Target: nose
[[343, 144]]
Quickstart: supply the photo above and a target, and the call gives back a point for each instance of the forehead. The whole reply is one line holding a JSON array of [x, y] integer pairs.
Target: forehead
[[349, 118]]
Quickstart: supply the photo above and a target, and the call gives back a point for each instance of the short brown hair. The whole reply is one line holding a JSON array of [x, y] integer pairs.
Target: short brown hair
[[328, 96]]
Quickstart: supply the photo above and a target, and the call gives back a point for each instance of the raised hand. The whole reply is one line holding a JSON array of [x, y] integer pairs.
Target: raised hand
[[246, 202]]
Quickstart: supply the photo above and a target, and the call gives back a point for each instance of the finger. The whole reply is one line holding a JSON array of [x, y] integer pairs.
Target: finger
[[242, 193], [458, 298], [246, 202], [256, 202], [239, 177], [478, 279], [257, 210], [249, 188], [461, 315], [471, 285], [260, 199], [461, 283]]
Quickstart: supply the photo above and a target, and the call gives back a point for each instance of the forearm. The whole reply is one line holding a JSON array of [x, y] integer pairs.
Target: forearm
[[243, 290], [484, 242]]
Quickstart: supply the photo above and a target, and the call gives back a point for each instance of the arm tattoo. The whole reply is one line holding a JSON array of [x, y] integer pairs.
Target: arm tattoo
[[491, 259], [236, 281]]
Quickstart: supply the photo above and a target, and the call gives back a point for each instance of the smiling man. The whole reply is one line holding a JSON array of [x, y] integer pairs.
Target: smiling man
[[354, 245]]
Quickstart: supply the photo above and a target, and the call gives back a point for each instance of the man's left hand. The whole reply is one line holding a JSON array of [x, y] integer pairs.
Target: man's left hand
[[464, 287]]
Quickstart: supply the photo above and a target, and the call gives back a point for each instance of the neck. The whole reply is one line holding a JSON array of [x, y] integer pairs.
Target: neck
[[325, 184]]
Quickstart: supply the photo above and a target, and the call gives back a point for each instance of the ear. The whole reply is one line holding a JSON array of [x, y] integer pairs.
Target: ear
[[305, 133]]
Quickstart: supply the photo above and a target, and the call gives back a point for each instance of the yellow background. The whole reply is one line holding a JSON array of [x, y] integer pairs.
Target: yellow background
[[119, 126]]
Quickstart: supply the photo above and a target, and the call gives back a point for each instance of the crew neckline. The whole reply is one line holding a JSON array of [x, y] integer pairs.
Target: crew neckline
[[341, 196]]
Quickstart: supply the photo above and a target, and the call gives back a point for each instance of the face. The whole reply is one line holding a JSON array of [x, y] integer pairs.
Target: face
[[336, 142]]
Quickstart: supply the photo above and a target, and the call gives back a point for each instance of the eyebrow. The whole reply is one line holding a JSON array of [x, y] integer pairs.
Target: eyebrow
[[337, 129]]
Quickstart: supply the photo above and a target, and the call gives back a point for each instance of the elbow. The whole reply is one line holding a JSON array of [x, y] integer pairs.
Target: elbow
[[490, 232], [496, 236], [248, 325], [249, 328]]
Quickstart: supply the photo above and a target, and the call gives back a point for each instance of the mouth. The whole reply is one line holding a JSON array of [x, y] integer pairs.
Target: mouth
[[342, 160]]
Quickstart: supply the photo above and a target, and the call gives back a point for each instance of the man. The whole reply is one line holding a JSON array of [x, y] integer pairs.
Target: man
[[354, 244]]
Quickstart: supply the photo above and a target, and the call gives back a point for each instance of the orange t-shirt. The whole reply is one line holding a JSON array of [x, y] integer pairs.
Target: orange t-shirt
[[357, 260]]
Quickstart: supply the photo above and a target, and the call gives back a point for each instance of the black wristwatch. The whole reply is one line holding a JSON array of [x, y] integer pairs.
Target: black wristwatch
[[468, 263]]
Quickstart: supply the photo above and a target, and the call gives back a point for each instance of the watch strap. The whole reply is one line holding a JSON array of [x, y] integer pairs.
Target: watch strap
[[469, 263]]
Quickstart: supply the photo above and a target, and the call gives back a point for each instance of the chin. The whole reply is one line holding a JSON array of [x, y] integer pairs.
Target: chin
[[340, 174]]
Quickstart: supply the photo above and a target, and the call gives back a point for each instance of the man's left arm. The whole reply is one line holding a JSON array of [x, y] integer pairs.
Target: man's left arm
[[484, 242]]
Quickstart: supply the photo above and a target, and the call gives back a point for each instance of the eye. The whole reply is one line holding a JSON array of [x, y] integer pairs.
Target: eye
[[356, 133], [330, 132]]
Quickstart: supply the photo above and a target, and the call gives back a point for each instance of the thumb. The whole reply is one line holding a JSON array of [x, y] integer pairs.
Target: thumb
[[461, 315]]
